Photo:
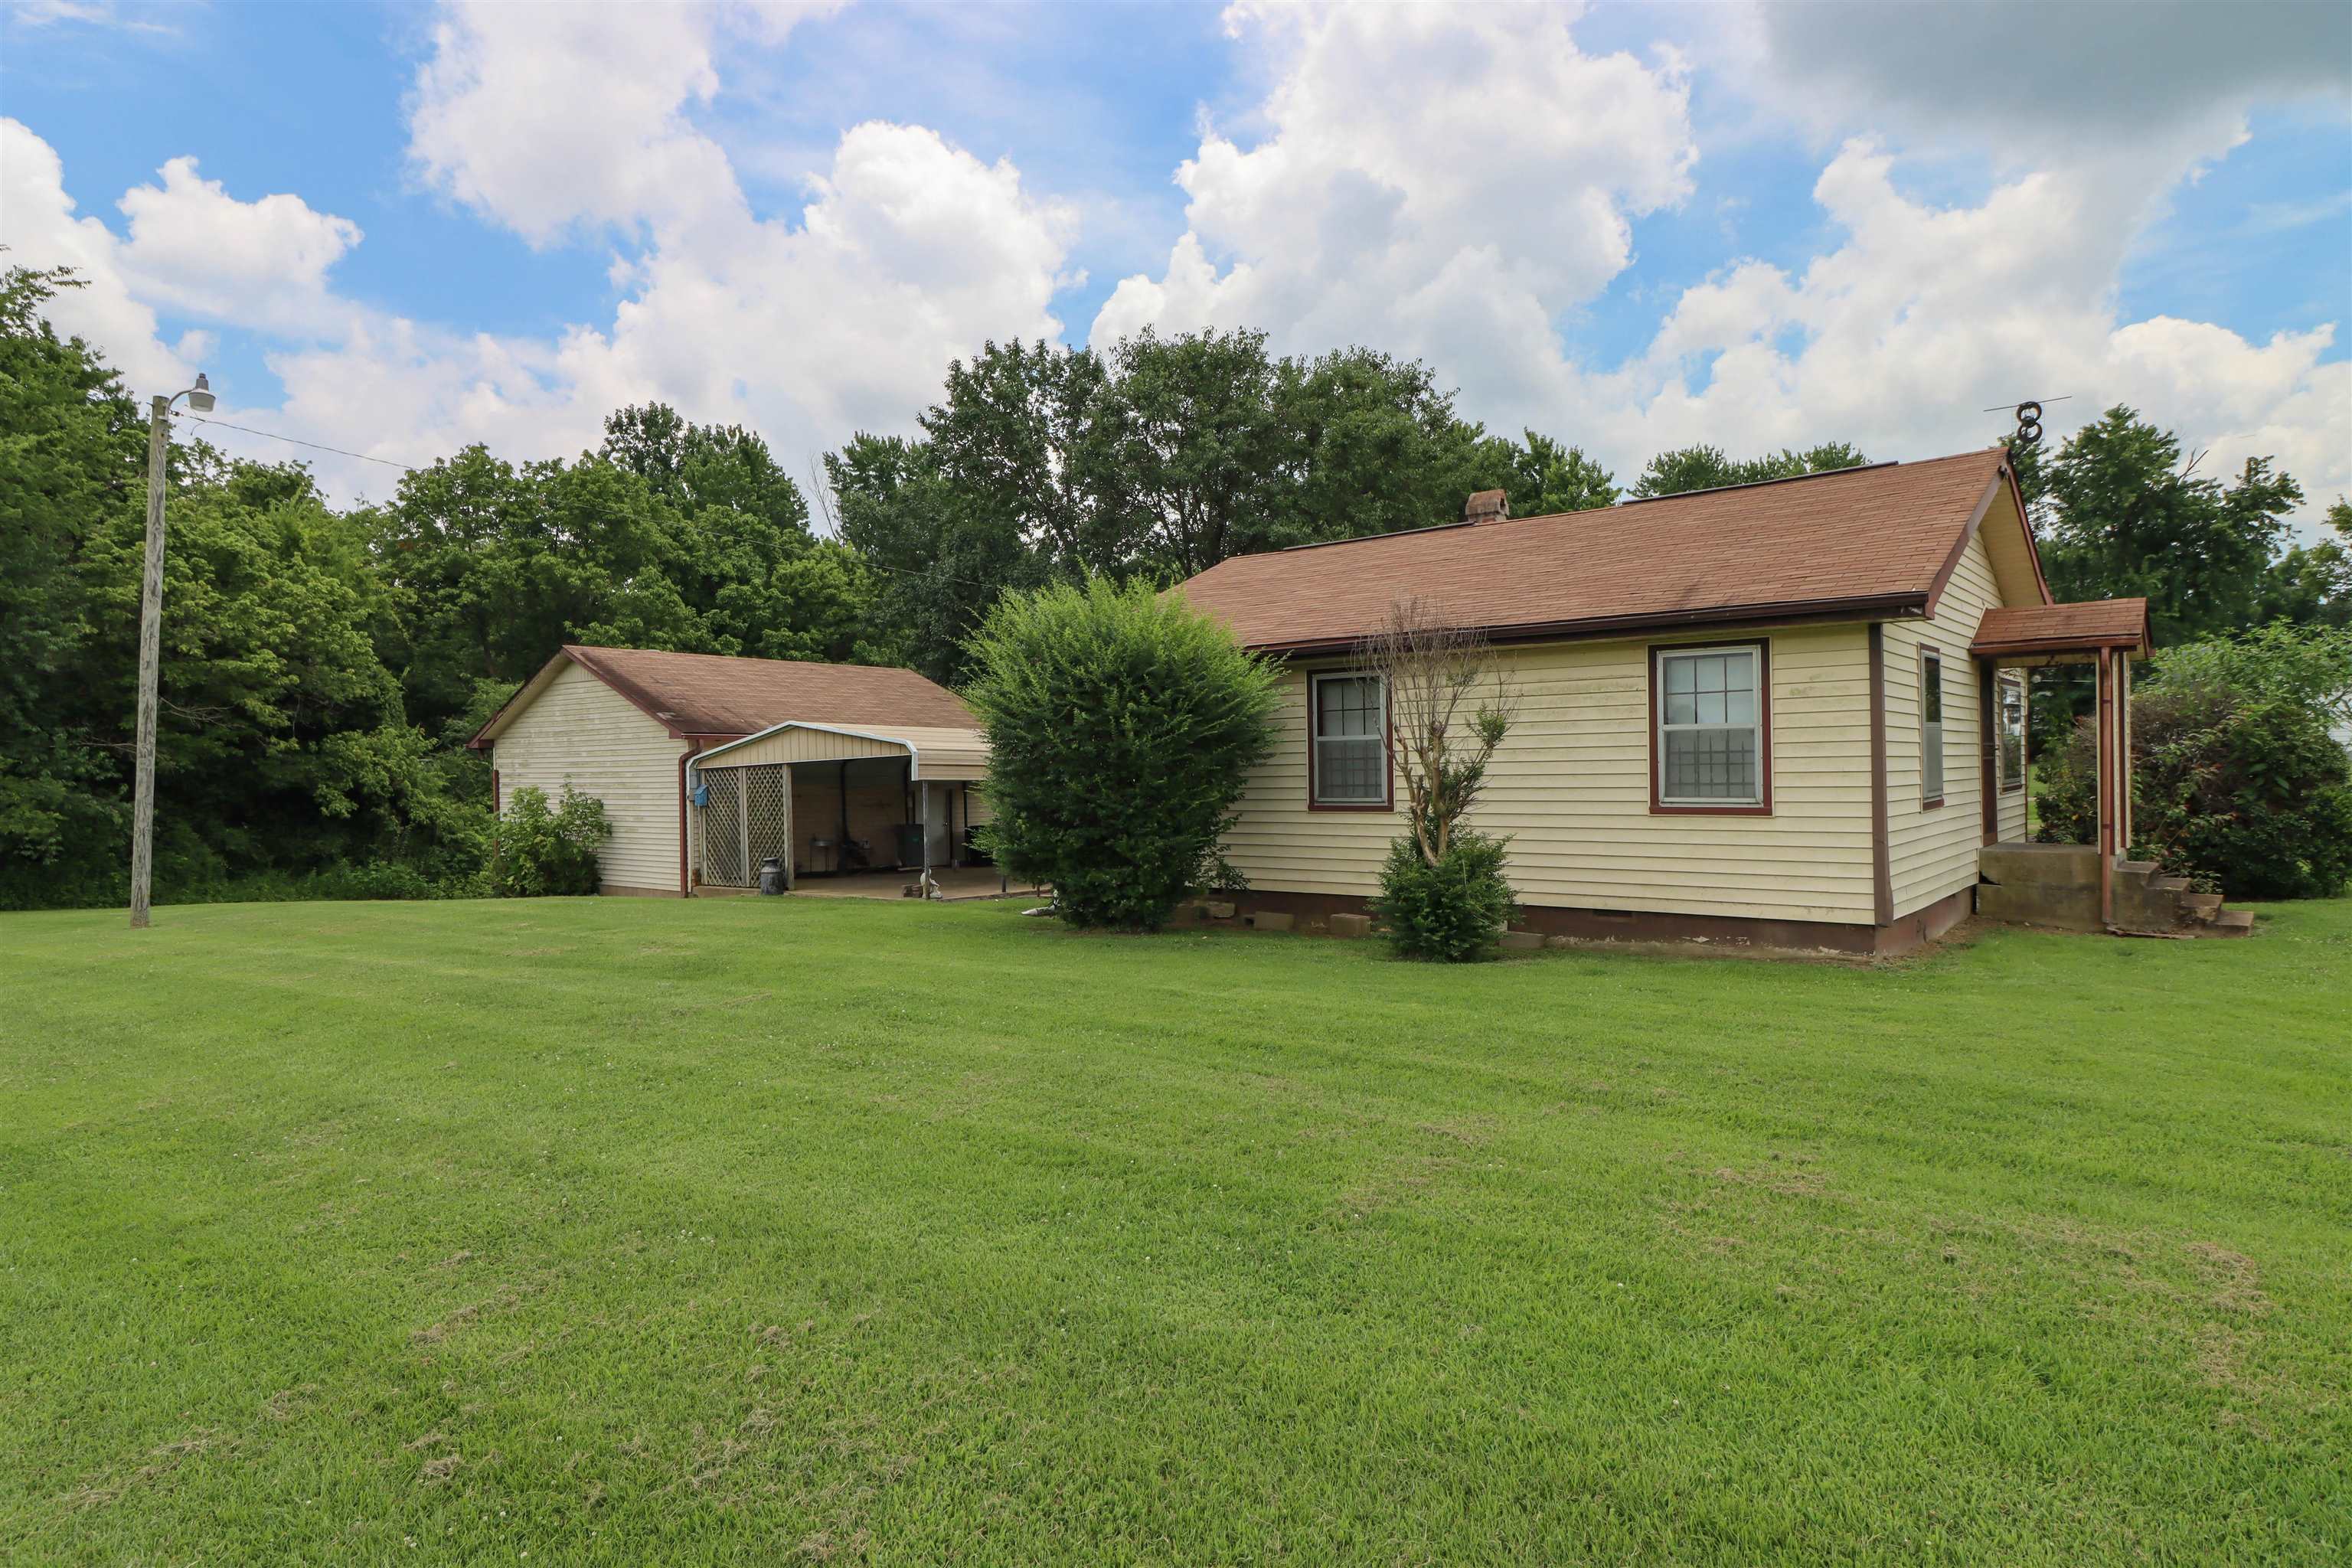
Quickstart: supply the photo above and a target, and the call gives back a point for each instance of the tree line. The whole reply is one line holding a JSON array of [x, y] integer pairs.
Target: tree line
[[323, 666]]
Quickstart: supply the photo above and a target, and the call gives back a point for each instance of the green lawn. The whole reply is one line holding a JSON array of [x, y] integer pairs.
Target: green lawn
[[768, 1230]]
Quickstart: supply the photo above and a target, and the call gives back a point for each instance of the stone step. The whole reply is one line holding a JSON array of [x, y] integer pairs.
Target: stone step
[[2233, 922], [2199, 907], [2137, 867], [2169, 884]]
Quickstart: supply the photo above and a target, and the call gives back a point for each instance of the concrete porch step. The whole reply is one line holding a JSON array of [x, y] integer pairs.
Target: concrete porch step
[[2199, 907], [2232, 922], [2169, 884]]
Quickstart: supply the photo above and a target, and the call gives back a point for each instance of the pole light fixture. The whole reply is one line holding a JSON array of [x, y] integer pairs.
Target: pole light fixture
[[151, 632]]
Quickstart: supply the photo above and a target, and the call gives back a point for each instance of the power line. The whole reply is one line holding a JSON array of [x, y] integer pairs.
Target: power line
[[314, 446]]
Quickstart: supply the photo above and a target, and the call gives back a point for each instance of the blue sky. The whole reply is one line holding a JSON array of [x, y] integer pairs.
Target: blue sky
[[1631, 227]]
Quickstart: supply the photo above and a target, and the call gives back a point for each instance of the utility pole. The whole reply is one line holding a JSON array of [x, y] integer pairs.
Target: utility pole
[[150, 637]]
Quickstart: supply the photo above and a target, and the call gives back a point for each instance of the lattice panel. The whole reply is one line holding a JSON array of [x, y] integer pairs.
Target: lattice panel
[[721, 815], [746, 816]]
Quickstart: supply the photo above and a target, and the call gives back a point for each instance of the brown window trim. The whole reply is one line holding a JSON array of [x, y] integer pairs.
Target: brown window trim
[[1928, 651], [1763, 808], [1388, 744], [2017, 678]]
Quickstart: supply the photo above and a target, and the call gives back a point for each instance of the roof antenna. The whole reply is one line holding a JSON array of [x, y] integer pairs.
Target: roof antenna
[[2029, 418], [824, 498]]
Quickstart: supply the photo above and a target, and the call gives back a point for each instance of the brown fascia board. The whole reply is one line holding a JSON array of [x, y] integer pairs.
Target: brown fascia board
[[1960, 549], [2022, 646], [1794, 613]]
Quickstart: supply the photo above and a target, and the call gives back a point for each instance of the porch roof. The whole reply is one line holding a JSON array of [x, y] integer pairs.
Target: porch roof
[[2051, 633]]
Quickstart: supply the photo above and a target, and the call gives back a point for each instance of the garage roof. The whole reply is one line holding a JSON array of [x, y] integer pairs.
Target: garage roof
[[702, 695]]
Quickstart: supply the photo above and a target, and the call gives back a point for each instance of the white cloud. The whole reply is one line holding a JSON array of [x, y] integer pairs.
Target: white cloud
[[909, 252], [1442, 181], [546, 117], [199, 250], [38, 226]]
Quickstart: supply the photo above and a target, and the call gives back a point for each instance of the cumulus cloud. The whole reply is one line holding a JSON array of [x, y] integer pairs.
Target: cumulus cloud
[[38, 226], [909, 252], [1442, 181], [1452, 185], [1458, 185], [199, 250], [543, 118]]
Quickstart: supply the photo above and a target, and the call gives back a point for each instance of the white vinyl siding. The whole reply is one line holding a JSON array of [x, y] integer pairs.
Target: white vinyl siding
[[1571, 786], [1932, 850], [580, 731]]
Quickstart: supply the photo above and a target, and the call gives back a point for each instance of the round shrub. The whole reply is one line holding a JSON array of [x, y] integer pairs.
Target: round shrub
[[546, 850], [1121, 727], [1451, 911]]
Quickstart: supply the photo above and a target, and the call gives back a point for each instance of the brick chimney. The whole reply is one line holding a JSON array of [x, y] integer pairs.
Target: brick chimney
[[1486, 506]]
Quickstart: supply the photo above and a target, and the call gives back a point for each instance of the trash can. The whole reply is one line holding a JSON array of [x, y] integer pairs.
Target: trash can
[[910, 844], [771, 875]]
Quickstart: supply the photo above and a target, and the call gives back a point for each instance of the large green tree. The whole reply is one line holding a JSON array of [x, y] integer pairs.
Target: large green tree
[[1705, 468], [937, 558], [2124, 515], [72, 444], [2312, 583], [1155, 458]]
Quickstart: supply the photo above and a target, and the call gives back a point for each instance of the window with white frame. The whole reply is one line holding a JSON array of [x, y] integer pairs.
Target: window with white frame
[[2012, 733], [1351, 739], [1931, 727], [1710, 726]]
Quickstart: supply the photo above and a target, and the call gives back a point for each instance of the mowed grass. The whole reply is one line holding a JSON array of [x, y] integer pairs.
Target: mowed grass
[[763, 1231]]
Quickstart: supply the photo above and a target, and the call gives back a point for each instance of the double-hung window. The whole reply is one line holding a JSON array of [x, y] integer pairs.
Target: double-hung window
[[1713, 750], [1931, 727], [1349, 716]]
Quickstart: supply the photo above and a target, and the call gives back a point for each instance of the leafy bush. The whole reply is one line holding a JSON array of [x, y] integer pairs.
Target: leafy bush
[[546, 850], [1450, 911], [1121, 727], [2235, 779]]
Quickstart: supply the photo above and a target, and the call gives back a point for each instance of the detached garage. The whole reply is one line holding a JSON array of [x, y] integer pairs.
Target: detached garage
[[706, 764]]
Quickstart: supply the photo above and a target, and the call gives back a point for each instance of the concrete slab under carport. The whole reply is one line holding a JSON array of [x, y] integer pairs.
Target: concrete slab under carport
[[957, 882]]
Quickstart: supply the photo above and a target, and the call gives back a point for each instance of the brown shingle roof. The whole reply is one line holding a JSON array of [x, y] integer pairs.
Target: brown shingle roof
[[1880, 537], [710, 694], [2059, 628]]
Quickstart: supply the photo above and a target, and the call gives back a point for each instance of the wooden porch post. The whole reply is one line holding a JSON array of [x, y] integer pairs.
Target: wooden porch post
[[2105, 716], [2123, 746], [1988, 727]]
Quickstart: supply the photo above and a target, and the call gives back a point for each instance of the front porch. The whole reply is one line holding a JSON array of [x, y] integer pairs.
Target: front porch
[[2094, 887]]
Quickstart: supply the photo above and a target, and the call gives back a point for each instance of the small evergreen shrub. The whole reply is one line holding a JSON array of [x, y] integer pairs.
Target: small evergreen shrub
[[1452, 911], [545, 850], [1121, 727]]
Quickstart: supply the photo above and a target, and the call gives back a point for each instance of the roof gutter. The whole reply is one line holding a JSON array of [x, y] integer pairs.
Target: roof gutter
[[1875, 606]]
